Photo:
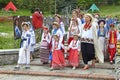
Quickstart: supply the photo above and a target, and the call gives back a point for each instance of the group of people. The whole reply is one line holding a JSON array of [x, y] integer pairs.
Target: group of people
[[87, 37]]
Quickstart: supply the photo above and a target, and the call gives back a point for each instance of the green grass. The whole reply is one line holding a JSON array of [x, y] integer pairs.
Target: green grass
[[6, 26], [110, 10], [7, 41], [22, 12]]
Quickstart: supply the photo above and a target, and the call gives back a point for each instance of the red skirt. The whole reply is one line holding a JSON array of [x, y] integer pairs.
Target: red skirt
[[58, 60], [73, 57]]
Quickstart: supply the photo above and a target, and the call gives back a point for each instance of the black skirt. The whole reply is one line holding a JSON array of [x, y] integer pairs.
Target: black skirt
[[88, 52]]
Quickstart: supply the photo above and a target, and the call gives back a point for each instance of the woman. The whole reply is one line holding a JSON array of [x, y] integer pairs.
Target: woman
[[61, 24], [89, 42], [56, 30], [102, 34]]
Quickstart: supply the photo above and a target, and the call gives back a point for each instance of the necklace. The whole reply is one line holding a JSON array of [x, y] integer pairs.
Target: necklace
[[87, 26]]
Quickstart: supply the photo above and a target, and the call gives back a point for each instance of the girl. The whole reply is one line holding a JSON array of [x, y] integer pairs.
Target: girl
[[73, 58], [58, 60], [102, 33], [44, 49], [75, 15], [73, 30], [24, 51]]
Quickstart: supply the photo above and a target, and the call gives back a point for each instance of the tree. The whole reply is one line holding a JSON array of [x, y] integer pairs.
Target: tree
[[63, 4], [3, 3], [84, 4]]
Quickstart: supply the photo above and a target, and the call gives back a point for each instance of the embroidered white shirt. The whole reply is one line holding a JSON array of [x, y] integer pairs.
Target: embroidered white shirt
[[75, 45]]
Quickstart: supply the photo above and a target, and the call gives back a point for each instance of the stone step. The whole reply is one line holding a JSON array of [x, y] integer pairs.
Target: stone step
[[67, 72], [106, 65], [59, 74]]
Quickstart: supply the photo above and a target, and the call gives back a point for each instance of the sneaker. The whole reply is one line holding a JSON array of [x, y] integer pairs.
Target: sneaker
[[45, 63], [27, 67], [51, 69], [16, 67], [111, 62], [73, 68]]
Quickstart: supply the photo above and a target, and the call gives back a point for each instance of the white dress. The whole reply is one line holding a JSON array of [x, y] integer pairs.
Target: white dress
[[24, 51], [33, 41]]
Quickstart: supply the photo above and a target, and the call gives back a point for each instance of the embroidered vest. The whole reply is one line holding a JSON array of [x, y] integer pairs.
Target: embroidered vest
[[101, 34], [113, 37], [74, 43]]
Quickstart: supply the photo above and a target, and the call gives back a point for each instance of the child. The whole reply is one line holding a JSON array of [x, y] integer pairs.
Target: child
[[44, 49], [112, 40], [73, 58], [58, 60], [24, 51]]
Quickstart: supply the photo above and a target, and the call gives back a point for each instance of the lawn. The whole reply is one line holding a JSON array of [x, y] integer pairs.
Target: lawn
[[7, 39], [22, 12], [8, 42], [110, 10]]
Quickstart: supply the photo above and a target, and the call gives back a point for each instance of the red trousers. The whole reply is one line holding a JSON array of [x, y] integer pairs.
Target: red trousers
[[112, 51]]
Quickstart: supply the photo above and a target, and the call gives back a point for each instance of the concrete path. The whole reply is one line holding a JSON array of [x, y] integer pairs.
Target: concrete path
[[41, 72]]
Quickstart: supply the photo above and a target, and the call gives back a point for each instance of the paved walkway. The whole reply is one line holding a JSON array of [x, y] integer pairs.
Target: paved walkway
[[27, 77], [39, 72]]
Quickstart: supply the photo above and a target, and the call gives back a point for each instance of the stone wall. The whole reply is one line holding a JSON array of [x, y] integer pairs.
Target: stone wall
[[10, 56]]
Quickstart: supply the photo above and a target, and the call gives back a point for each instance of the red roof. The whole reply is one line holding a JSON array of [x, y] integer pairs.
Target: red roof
[[11, 6]]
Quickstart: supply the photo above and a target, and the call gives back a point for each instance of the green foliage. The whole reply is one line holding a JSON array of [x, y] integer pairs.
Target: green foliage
[[110, 10], [67, 3], [84, 3], [3, 3], [49, 5]]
